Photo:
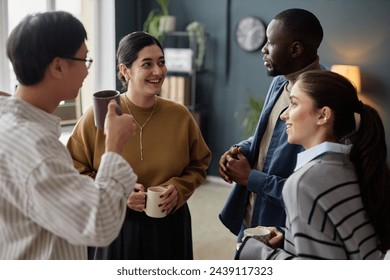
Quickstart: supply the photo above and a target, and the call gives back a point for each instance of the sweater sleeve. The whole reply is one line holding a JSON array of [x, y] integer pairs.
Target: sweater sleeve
[[253, 249], [81, 145], [194, 174]]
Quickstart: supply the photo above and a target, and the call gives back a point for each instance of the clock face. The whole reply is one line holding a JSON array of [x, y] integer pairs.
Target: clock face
[[250, 33]]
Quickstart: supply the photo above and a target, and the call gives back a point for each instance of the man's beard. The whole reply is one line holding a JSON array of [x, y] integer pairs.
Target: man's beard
[[272, 73]]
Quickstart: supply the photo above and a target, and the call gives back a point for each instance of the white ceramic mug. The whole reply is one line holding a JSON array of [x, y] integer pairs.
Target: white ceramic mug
[[153, 200], [260, 233]]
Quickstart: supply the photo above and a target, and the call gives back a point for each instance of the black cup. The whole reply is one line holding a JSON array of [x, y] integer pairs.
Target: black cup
[[100, 104]]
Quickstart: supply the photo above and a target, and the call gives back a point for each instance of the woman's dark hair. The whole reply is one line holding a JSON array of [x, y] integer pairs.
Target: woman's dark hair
[[38, 39], [129, 47], [369, 150]]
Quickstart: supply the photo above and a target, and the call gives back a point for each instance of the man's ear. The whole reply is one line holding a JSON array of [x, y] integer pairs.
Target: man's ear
[[56, 67], [296, 49]]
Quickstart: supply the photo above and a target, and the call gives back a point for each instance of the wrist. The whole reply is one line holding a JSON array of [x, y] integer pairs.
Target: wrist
[[113, 146]]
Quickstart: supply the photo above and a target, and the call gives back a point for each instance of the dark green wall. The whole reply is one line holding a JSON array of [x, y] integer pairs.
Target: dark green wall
[[356, 32]]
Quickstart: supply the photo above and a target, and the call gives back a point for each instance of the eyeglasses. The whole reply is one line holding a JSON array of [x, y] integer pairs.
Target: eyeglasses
[[88, 61]]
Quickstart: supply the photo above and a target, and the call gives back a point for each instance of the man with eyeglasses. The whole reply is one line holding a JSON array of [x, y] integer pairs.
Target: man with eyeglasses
[[49, 210]]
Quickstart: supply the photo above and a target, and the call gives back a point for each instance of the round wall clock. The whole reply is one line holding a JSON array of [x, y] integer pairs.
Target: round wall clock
[[250, 33]]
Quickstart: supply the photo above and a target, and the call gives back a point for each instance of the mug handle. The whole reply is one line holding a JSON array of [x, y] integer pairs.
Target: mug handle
[[146, 199]]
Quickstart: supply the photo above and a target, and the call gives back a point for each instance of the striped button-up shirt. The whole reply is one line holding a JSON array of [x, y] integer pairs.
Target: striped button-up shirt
[[47, 209]]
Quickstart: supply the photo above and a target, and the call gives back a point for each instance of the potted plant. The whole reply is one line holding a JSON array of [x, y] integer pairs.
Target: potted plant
[[197, 37], [250, 115], [159, 21]]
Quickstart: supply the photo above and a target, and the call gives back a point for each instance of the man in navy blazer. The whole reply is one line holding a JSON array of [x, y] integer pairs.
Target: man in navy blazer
[[260, 165]]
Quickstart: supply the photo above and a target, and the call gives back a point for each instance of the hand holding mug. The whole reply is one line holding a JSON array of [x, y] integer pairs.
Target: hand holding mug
[[169, 199], [153, 206], [161, 201], [260, 233], [268, 235], [101, 99], [276, 240], [117, 128], [137, 198]]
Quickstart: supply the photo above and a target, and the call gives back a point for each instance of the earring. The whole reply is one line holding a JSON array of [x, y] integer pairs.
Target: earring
[[324, 121], [126, 78]]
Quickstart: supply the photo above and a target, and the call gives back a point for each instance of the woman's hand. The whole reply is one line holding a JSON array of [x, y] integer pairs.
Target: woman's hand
[[169, 199], [276, 240], [137, 198]]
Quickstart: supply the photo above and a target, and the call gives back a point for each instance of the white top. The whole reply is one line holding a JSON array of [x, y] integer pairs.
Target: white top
[[47, 209], [310, 154]]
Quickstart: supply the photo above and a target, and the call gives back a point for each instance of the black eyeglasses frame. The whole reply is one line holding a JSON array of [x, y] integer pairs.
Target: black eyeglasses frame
[[88, 61]]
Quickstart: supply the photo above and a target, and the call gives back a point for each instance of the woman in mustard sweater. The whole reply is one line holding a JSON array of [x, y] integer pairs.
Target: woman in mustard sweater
[[168, 151]]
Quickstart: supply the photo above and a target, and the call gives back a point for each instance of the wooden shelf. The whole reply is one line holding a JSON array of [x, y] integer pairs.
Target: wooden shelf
[[69, 112]]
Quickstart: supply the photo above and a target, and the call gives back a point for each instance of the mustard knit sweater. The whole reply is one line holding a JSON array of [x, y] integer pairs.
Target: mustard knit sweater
[[174, 151]]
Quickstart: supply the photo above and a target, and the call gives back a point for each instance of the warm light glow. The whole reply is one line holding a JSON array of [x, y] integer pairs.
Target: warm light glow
[[351, 72]]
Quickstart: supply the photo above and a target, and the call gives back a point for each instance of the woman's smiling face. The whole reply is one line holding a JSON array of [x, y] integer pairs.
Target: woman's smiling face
[[302, 119], [148, 71]]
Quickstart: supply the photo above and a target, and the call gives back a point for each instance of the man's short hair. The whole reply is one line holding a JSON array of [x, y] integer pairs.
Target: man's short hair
[[302, 25], [38, 39]]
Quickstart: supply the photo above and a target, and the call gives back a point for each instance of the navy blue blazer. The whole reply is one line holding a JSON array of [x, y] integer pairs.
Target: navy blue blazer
[[279, 163]]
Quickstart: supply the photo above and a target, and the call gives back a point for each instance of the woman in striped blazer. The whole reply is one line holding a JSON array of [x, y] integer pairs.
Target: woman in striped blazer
[[338, 199]]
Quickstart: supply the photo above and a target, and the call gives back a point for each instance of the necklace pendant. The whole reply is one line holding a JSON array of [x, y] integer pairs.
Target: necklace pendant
[[141, 126], [140, 143]]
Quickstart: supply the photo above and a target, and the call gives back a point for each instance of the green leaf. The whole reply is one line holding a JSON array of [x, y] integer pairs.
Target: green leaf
[[164, 6], [250, 115], [152, 22], [152, 14]]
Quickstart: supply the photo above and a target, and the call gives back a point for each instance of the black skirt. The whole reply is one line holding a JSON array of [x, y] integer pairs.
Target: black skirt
[[146, 238]]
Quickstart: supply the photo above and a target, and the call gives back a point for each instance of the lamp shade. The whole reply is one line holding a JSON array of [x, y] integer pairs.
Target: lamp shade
[[350, 72]]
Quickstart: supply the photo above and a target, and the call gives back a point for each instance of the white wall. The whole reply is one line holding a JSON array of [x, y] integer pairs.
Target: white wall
[[4, 70], [100, 25], [98, 17]]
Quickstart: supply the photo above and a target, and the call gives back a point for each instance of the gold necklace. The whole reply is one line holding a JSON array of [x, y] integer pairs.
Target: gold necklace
[[141, 127]]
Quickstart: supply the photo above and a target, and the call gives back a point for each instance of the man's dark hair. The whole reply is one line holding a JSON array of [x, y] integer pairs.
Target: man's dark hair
[[38, 39], [302, 25]]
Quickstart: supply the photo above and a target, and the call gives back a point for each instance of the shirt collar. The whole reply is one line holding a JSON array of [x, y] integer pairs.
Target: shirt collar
[[325, 147]]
